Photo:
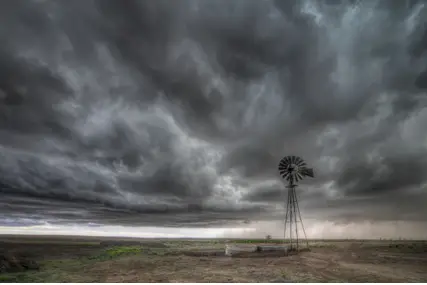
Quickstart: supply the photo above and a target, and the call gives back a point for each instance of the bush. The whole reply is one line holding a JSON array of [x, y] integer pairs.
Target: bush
[[14, 263]]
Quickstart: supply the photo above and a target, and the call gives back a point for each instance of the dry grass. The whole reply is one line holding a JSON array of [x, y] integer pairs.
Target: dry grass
[[204, 261]]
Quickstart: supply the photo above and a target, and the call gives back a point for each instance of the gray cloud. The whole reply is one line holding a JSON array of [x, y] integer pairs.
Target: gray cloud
[[152, 112]]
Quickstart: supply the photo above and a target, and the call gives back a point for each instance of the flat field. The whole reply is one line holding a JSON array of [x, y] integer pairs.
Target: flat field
[[91, 259]]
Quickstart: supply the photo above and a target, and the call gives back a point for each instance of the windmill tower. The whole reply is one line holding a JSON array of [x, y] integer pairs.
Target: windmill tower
[[293, 169]]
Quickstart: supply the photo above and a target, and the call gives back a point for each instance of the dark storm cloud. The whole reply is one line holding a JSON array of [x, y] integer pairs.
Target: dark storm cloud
[[28, 90], [394, 172], [177, 112]]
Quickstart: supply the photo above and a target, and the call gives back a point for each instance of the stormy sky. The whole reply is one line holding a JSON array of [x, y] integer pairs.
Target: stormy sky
[[176, 113]]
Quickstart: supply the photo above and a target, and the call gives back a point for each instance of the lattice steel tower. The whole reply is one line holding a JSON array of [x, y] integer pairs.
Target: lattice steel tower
[[293, 169]]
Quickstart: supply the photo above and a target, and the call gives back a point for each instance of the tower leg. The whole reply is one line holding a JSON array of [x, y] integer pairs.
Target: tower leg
[[293, 217], [300, 218], [285, 222], [291, 203]]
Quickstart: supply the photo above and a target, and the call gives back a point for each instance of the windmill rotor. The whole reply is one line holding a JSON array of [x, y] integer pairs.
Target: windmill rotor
[[293, 169]]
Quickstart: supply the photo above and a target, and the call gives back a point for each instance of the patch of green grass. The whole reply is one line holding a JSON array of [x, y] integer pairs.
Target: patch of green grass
[[74, 270], [16, 278], [118, 251], [51, 271]]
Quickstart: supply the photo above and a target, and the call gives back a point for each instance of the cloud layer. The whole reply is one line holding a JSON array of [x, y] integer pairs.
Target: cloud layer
[[161, 113]]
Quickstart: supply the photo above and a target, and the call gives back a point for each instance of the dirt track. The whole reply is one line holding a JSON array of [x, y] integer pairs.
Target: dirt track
[[181, 261]]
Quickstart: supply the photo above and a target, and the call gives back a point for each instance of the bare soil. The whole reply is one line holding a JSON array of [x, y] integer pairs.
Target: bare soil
[[71, 260]]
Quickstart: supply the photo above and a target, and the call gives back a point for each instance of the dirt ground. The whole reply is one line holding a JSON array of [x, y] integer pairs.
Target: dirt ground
[[93, 260]]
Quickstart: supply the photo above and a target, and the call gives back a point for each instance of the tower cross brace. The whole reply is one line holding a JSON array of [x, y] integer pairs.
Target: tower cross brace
[[293, 221]]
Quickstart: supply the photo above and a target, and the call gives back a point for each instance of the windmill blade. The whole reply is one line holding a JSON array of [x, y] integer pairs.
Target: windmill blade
[[283, 170], [293, 158], [283, 173], [286, 160], [299, 176], [283, 160], [283, 167], [298, 160]]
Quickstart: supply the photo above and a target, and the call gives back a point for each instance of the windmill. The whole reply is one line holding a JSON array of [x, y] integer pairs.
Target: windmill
[[293, 169]]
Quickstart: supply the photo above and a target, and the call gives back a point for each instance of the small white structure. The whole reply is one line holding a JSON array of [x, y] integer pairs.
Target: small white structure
[[231, 249]]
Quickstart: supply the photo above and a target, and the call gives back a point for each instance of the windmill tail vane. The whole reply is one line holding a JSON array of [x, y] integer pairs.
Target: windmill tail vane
[[307, 172], [293, 169]]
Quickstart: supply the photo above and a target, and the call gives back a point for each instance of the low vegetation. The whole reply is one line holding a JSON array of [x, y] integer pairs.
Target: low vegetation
[[181, 261], [65, 270], [119, 251]]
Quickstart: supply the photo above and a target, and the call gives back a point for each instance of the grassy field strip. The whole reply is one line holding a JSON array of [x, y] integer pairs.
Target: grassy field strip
[[150, 260]]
